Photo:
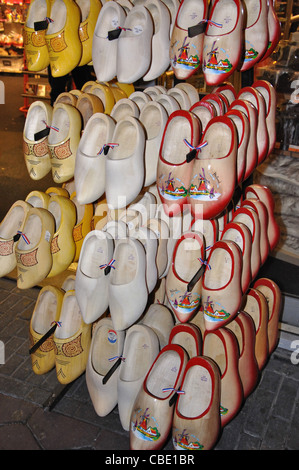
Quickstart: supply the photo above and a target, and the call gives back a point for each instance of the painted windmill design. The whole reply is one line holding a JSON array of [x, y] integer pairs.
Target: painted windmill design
[[212, 61], [184, 50]]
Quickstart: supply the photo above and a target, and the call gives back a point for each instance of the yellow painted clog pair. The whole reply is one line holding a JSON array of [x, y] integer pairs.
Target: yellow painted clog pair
[[59, 33], [68, 346]]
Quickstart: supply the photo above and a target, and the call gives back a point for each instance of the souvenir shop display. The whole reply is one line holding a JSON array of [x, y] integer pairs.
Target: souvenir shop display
[[156, 209]]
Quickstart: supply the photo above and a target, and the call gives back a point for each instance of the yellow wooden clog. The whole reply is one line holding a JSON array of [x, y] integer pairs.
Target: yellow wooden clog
[[83, 224], [105, 94], [33, 250], [45, 314], [72, 341], [63, 245], [62, 37], [38, 199], [35, 47], [90, 10]]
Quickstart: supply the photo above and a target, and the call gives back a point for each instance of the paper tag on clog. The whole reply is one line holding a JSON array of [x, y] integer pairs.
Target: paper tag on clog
[[197, 29], [40, 25], [114, 34], [191, 155], [41, 134]]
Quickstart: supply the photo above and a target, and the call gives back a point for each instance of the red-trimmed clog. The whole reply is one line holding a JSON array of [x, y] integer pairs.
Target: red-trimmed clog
[[273, 28], [263, 193], [241, 235], [152, 414], [228, 90], [221, 284], [249, 217], [217, 101], [255, 304], [196, 421], [255, 97], [205, 111], [252, 150], [209, 229], [188, 336], [243, 327], [262, 213], [267, 90], [222, 346], [188, 257], [174, 171], [222, 48], [241, 122], [186, 52], [273, 296], [214, 173], [256, 32]]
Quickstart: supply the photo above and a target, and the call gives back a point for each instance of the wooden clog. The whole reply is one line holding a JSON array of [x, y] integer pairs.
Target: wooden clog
[[105, 350], [273, 296], [222, 346], [262, 213], [244, 329], [268, 92], [188, 336], [161, 320], [141, 348], [255, 304], [196, 422], [83, 223], [243, 129], [46, 312], [90, 11], [35, 47], [205, 111], [152, 413], [256, 32]]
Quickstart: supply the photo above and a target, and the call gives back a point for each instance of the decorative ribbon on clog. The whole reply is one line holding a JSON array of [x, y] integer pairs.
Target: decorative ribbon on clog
[[39, 135], [107, 267], [106, 147], [207, 248], [192, 154], [201, 27], [114, 34], [117, 357], [42, 25], [205, 263], [25, 238], [174, 396], [57, 323]]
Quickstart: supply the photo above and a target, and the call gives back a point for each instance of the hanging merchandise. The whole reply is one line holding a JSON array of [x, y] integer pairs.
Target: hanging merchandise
[[89, 14], [35, 46]]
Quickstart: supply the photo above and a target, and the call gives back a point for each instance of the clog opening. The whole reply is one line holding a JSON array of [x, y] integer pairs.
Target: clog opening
[[58, 14], [12, 223], [221, 270], [219, 137], [45, 312], [32, 231], [135, 23], [37, 12], [140, 98], [224, 13], [124, 108], [269, 294], [35, 122], [181, 97], [190, 13], [187, 341], [203, 114], [164, 374], [187, 259], [138, 357], [104, 348], [151, 119], [174, 148], [235, 236], [169, 103], [252, 307], [100, 93], [35, 201], [253, 11], [126, 264], [126, 137], [95, 136], [198, 392], [95, 256], [215, 349], [55, 209], [246, 220], [61, 121], [70, 318], [85, 8]]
